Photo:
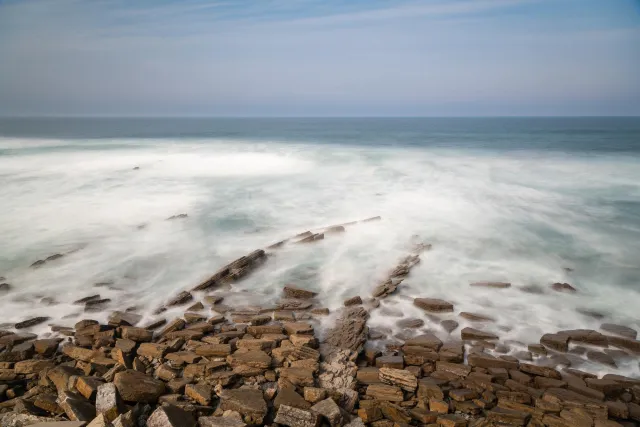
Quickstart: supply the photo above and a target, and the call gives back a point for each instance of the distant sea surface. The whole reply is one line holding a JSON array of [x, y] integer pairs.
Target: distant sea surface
[[530, 201]]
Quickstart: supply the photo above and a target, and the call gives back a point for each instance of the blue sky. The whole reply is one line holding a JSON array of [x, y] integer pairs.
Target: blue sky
[[320, 57]]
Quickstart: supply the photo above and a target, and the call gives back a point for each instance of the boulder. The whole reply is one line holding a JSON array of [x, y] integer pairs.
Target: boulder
[[350, 331], [330, 411], [170, 416], [475, 334], [31, 322], [385, 392], [353, 301], [75, 407], [476, 317], [134, 386], [433, 305], [108, 402], [427, 340], [120, 318], [295, 417], [200, 393], [287, 396], [399, 377], [290, 291], [249, 403]]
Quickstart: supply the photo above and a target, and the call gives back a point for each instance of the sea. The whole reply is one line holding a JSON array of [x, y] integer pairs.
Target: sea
[[529, 201]]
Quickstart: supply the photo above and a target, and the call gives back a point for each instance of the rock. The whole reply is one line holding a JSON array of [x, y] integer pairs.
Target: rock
[[32, 366], [433, 305], [60, 376], [48, 402], [136, 334], [451, 420], [495, 285], [108, 401], [221, 422], [412, 323], [178, 216], [152, 350], [475, 334], [119, 318], [78, 353], [298, 293], [88, 386], [12, 419], [85, 300], [330, 411], [249, 403], [600, 357], [302, 377], [353, 301], [200, 393], [75, 407], [399, 377], [314, 394], [485, 361], [385, 392], [396, 362], [620, 330], [46, 347], [4, 287], [253, 358], [449, 325], [180, 299], [563, 287], [457, 369], [427, 340], [502, 416], [287, 396], [31, 322], [171, 416], [476, 317], [350, 331], [135, 386], [556, 342], [295, 417]]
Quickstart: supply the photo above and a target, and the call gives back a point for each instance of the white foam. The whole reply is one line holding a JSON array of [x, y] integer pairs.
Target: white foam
[[490, 216]]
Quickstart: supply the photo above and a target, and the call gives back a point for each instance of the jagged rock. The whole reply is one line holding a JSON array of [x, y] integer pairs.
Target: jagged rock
[[475, 334], [180, 299], [46, 347], [32, 366], [350, 331], [170, 416], [298, 293], [433, 305], [152, 350], [302, 377], [386, 288], [31, 322], [563, 287], [294, 417], [221, 422], [385, 392], [200, 393], [399, 377], [314, 394], [119, 318], [249, 403], [449, 325], [136, 334], [108, 401], [293, 304], [75, 407], [60, 375], [88, 386], [135, 386], [353, 301], [253, 358], [337, 370], [330, 411], [287, 396]]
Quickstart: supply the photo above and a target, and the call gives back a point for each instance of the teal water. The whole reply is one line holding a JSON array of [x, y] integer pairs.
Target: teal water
[[510, 199]]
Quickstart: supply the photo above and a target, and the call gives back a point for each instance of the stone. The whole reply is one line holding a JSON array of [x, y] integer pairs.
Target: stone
[[221, 422], [49, 403], [287, 396], [314, 394], [543, 371], [253, 358], [495, 285], [249, 403], [302, 377], [556, 342], [78, 353], [152, 350], [457, 369], [473, 317], [451, 420], [476, 334], [509, 417], [108, 401], [46, 347], [399, 377], [396, 362], [485, 361], [75, 407], [462, 395], [180, 299], [295, 417], [32, 366], [623, 331], [350, 331], [600, 357], [120, 318], [563, 287], [60, 376], [200, 393], [330, 411], [99, 421], [433, 305], [449, 325], [170, 416], [353, 301], [31, 322], [136, 334], [134, 386], [213, 350], [385, 392], [290, 291], [88, 386]]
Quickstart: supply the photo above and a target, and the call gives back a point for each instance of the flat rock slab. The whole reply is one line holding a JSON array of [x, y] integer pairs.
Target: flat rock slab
[[59, 424], [427, 340], [495, 285], [134, 386], [249, 403], [433, 305], [294, 417], [297, 293], [171, 416], [621, 330], [476, 334]]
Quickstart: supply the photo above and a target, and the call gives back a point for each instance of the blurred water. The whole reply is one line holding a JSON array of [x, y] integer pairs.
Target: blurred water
[[513, 200]]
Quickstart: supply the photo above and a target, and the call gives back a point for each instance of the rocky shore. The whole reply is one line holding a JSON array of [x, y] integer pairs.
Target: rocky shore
[[222, 366]]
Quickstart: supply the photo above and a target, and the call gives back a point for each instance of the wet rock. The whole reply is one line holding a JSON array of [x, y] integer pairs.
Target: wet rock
[[295, 417], [563, 287], [180, 299], [620, 330], [412, 323], [386, 288], [85, 300], [350, 331], [475, 334], [152, 350], [625, 343], [96, 305], [485, 361], [433, 305], [427, 340], [293, 304], [31, 322], [556, 342], [171, 416], [4, 287], [600, 357], [449, 325], [586, 336], [293, 292], [120, 318], [353, 301], [249, 403], [476, 317], [178, 216], [134, 386], [495, 285], [46, 347]]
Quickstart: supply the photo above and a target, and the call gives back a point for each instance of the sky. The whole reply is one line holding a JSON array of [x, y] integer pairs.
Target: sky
[[319, 57]]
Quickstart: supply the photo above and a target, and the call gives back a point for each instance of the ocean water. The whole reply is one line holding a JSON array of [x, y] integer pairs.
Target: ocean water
[[514, 199]]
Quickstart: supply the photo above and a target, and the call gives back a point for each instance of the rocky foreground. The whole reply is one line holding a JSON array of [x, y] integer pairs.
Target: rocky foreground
[[271, 366]]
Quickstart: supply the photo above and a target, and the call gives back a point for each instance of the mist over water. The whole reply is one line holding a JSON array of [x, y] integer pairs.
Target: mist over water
[[491, 213]]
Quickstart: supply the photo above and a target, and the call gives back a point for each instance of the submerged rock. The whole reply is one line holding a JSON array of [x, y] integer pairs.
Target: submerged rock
[[350, 331], [563, 287], [433, 305], [179, 216], [495, 285], [31, 322]]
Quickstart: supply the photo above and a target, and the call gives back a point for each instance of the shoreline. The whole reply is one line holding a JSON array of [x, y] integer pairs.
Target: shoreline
[[265, 365]]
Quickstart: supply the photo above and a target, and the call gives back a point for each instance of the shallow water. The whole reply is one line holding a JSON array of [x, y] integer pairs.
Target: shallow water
[[518, 212]]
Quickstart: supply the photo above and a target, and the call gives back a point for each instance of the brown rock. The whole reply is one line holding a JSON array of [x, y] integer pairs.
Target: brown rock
[[88, 386], [462, 395], [626, 343], [486, 361], [543, 371], [508, 417], [298, 293], [134, 386], [201, 393], [248, 402], [623, 331], [451, 420], [396, 362], [412, 323], [136, 334], [353, 301], [370, 414], [449, 325], [31, 322], [295, 417], [60, 375], [476, 317], [314, 394], [398, 377], [32, 366], [152, 350], [213, 350], [456, 369], [438, 406], [170, 416], [563, 287], [253, 358], [556, 342], [495, 285], [433, 305], [475, 334], [427, 340], [302, 377], [350, 331], [287, 396], [46, 347], [75, 407], [385, 392], [600, 357], [180, 299]]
